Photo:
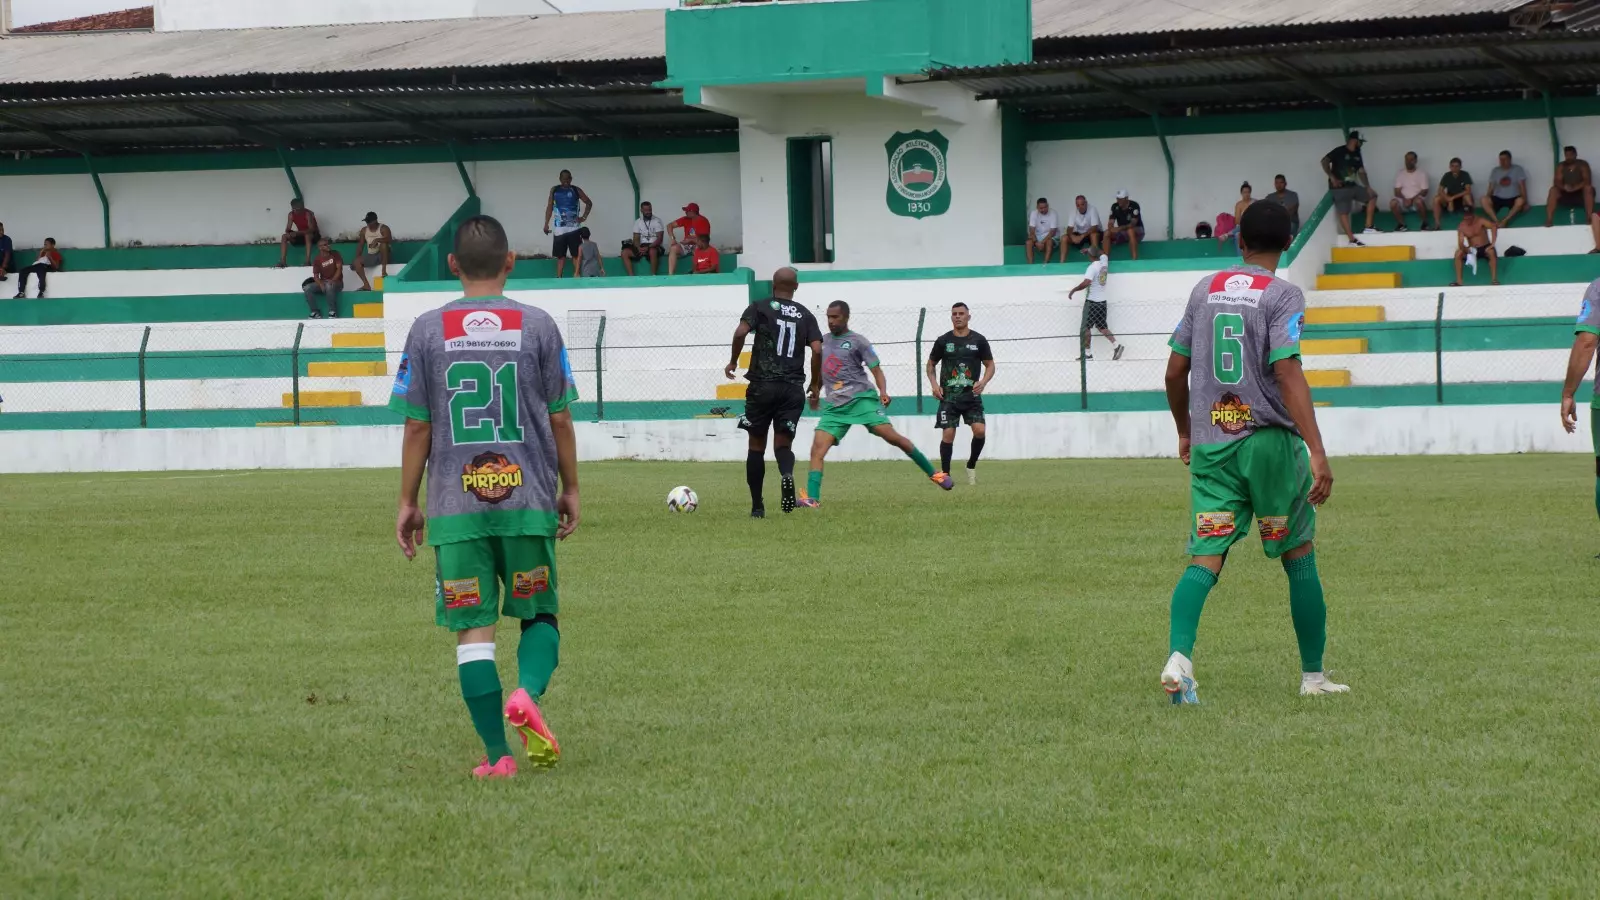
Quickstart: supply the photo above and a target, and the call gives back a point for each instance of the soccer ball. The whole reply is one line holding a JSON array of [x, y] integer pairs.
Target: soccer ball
[[681, 499]]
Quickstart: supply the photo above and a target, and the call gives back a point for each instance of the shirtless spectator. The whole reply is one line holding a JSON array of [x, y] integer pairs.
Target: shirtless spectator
[[374, 250], [1508, 191], [1573, 187], [1475, 238], [1455, 193], [1044, 229], [1126, 225], [1084, 228], [300, 227], [1410, 192]]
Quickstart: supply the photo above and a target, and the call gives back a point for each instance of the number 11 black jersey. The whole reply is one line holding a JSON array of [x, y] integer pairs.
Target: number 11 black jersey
[[784, 330]]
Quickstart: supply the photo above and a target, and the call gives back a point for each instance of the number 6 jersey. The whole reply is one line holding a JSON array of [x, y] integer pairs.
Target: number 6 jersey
[[1238, 323], [487, 372]]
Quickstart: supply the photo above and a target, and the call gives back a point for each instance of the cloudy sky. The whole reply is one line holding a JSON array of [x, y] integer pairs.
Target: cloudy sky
[[30, 12]]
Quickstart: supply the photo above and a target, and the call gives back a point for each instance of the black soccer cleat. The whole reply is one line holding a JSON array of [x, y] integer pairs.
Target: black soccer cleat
[[758, 512], [788, 495]]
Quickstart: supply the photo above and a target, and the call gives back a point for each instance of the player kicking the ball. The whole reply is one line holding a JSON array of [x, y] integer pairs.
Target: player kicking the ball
[[1248, 433], [485, 387], [847, 357]]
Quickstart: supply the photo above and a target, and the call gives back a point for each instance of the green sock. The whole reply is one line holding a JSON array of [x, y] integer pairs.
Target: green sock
[[537, 657], [1310, 614], [1597, 495], [814, 484], [480, 687], [1188, 599], [921, 461]]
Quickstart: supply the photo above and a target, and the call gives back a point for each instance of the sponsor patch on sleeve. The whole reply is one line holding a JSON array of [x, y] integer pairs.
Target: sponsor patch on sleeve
[[460, 592], [1213, 524], [402, 375], [1273, 528]]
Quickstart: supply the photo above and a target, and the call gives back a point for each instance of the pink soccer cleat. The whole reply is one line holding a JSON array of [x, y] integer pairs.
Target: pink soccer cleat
[[524, 716], [505, 768], [808, 503]]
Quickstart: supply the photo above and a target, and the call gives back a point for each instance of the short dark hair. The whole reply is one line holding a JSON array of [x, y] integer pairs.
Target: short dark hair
[[1079, 197], [959, 305], [1265, 226], [1279, 175], [648, 203], [1455, 160], [841, 306], [1505, 152], [564, 172], [1039, 201], [295, 200], [481, 247], [49, 240], [1569, 147]]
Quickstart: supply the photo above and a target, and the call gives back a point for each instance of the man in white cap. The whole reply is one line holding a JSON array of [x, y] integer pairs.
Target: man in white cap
[[1125, 225]]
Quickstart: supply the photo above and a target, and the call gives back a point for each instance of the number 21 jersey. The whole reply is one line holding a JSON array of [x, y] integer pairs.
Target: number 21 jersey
[[1238, 323]]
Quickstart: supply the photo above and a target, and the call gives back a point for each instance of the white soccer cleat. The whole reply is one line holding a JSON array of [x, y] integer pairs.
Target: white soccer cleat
[[972, 476], [1313, 683], [1177, 679]]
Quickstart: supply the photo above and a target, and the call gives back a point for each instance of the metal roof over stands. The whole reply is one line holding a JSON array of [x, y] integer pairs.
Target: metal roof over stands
[[1102, 18]]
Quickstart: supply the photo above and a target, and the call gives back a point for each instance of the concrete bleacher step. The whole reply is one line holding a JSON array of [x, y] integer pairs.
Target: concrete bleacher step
[[1531, 269], [733, 391], [324, 398], [1375, 254], [1332, 346], [744, 360], [358, 339], [1362, 281], [367, 310], [346, 369], [1343, 315], [1326, 378]]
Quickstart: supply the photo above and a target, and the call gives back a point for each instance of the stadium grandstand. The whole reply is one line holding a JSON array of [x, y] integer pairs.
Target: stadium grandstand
[[897, 174]]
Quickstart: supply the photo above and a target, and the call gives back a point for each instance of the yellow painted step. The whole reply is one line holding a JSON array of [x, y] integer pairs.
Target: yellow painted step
[[733, 391], [1374, 254], [1322, 403], [1344, 315], [1319, 378], [325, 398], [358, 339], [291, 424], [1332, 346], [744, 360], [367, 310], [1364, 282], [346, 369]]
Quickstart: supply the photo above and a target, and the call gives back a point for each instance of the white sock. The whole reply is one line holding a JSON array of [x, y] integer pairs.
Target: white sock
[[466, 653]]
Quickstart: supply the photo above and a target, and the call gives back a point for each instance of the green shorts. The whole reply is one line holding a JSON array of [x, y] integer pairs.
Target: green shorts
[[1594, 431], [865, 410], [1267, 475], [469, 576]]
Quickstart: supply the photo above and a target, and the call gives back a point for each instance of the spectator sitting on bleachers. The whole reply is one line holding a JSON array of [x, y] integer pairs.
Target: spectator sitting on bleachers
[[648, 232], [5, 252], [1246, 197], [1455, 193], [1411, 185], [1084, 228], [1573, 187], [374, 250], [1125, 225], [693, 225], [301, 226], [1508, 191], [707, 261], [1044, 228], [1287, 199], [1475, 237], [327, 279], [1347, 179], [588, 263], [49, 261]]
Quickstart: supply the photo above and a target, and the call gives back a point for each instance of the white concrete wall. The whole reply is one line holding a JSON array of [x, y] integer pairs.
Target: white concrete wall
[[867, 235], [1348, 432], [242, 206], [1211, 167], [189, 15]]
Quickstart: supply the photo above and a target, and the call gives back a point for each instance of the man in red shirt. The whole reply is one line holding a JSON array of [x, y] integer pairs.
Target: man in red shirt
[[707, 261], [300, 226], [49, 260], [692, 224], [327, 279]]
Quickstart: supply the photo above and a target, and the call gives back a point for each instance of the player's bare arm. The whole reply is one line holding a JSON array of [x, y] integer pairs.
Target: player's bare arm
[[1297, 399], [1178, 400], [814, 392], [739, 334], [549, 207], [1082, 286], [566, 438], [588, 206], [414, 449], [1327, 168], [883, 388], [933, 381], [988, 374], [1583, 347]]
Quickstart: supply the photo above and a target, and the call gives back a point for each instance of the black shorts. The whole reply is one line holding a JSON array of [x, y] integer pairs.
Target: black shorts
[[1570, 199], [1094, 314], [566, 245], [954, 409], [1502, 203], [309, 238], [777, 404], [1459, 204]]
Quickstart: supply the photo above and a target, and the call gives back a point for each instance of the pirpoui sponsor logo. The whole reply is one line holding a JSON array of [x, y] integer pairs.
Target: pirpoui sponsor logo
[[491, 477]]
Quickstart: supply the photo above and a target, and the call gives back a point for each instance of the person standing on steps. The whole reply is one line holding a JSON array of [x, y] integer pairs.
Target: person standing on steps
[[1347, 179], [562, 219]]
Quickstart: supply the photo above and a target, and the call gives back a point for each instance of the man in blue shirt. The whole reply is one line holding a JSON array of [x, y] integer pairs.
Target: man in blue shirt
[[561, 218]]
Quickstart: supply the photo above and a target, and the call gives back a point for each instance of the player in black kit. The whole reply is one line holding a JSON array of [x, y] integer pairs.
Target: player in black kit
[[783, 329], [960, 353]]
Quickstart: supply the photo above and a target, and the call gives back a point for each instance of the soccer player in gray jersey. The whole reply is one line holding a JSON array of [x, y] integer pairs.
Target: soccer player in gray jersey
[[854, 398], [1583, 347], [1248, 433], [485, 386]]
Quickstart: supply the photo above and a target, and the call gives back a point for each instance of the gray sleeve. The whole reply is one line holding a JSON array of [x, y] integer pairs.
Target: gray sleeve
[[1183, 336], [1286, 316], [409, 396], [555, 375], [1589, 316]]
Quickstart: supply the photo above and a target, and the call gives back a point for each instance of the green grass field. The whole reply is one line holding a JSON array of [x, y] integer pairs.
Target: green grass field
[[230, 685]]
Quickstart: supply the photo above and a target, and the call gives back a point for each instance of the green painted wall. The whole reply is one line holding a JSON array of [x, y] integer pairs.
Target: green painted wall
[[174, 365], [1519, 270], [151, 310], [775, 42], [1014, 199], [231, 256]]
